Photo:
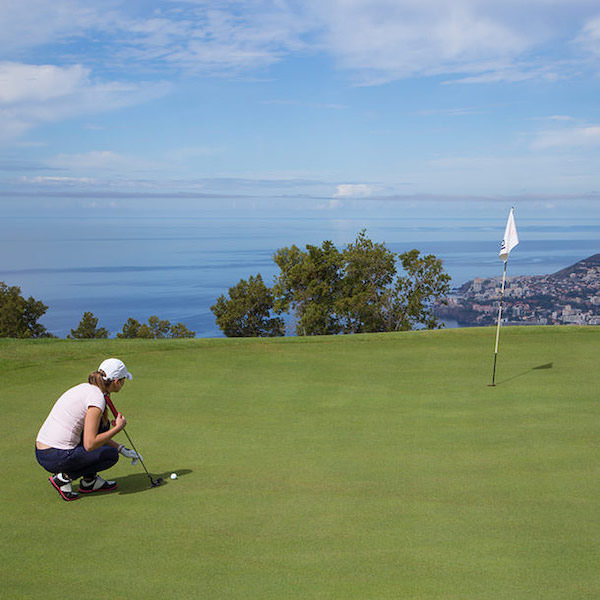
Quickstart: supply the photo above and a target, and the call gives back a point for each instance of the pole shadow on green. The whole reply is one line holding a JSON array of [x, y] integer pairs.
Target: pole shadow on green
[[539, 368]]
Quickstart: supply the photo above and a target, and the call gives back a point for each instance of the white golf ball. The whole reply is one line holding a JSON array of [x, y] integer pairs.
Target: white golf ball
[[173, 475]]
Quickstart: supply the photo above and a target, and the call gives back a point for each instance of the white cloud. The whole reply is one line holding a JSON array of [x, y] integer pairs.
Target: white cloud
[[467, 41], [383, 39], [101, 161], [376, 40], [34, 94], [589, 38], [354, 190], [38, 83], [584, 136], [513, 73], [25, 25], [53, 180], [218, 38]]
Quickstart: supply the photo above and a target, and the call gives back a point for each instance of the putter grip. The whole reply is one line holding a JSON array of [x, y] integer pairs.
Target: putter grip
[[113, 410]]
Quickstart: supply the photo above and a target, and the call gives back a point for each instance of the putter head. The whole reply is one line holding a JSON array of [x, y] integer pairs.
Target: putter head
[[156, 482]]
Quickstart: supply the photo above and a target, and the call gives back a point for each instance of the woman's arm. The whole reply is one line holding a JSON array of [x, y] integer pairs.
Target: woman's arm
[[91, 438]]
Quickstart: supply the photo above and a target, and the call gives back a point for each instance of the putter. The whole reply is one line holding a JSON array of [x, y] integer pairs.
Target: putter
[[153, 482]]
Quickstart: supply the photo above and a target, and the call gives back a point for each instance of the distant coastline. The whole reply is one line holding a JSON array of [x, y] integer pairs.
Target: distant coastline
[[119, 267], [570, 296]]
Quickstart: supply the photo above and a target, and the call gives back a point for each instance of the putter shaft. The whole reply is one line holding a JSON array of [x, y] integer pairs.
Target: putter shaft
[[113, 409]]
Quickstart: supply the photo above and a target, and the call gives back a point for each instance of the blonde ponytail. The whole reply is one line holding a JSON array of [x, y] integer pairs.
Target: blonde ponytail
[[98, 378]]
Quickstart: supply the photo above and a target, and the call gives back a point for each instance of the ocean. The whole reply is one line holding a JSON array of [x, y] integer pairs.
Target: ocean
[[176, 268]]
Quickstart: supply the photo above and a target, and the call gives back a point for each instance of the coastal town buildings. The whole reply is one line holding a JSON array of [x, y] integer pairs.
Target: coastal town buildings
[[568, 297]]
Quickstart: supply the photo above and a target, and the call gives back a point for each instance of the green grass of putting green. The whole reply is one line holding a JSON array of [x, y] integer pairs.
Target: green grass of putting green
[[356, 467]]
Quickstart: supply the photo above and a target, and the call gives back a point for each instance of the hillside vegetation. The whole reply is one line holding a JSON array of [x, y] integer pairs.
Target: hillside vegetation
[[351, 467]]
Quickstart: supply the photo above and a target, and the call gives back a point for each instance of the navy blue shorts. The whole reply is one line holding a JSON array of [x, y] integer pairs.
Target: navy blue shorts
[[77, 462]]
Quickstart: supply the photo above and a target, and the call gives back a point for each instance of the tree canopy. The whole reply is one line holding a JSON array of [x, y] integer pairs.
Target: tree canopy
[[358, 289], [156, 328], [248, 310], [310, 285], [88, 328], [19, 316]]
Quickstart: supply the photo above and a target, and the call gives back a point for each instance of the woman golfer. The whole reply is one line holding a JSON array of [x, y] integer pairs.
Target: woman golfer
[[76, 438]]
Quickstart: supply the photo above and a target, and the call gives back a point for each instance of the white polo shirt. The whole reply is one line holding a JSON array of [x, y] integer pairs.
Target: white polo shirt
[[64, 425]]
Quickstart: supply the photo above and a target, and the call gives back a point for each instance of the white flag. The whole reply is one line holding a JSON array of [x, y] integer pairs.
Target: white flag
[[511, 238]]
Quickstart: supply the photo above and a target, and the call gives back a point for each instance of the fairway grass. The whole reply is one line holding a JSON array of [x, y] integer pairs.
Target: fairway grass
[[353, 467]]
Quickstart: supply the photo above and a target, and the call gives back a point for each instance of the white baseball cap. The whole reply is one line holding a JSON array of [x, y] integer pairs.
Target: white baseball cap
[[114, 369]]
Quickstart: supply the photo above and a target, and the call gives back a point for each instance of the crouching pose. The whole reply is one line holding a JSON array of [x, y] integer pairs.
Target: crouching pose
[[75, 440]]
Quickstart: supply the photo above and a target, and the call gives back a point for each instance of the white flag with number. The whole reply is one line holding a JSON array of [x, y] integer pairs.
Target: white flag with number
[[511, 238]]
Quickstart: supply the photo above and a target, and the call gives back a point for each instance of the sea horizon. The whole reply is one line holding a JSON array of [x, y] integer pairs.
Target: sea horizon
[[176, 267]]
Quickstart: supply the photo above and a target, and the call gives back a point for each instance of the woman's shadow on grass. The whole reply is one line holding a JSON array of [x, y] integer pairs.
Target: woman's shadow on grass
[[140, 482]]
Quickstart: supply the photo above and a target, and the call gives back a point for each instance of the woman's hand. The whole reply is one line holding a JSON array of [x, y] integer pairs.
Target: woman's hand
[[120, 422], [127, 453]]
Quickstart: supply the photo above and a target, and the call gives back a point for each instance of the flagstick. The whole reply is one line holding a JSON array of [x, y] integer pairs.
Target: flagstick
[[498, 327]]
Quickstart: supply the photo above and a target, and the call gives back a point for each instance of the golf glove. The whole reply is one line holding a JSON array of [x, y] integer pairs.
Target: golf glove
[[127, 453]]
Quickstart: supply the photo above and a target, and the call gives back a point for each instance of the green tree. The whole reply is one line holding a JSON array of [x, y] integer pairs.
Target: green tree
[[146, 332], [88, 328], [160, 327], [358, 289], [130, 329], [310, 284], [19, 316], [248, 311], [416, 294], [179, 330], [156, 328], [368, 272]]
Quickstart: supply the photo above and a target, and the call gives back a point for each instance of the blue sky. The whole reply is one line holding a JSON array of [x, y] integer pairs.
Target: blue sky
[[336, 105]]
